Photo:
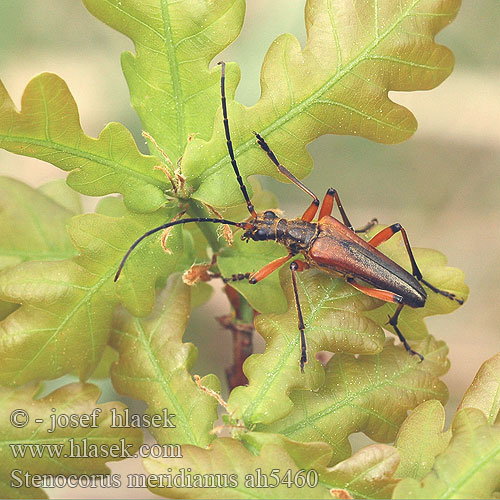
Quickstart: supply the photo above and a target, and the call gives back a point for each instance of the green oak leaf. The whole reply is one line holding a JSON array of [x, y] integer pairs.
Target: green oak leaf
[[244, 257], [103, 369], [369, 393], [104, 240], [169, 77], [369, 473], [48, 127], [72, 399], [333, 314], [421, 438], [67, 310], [433, 266], [154, 366], [236, 471], [468, 468], [33, 225], [356, 52], [484, 392], [111, 206], [58, 191]]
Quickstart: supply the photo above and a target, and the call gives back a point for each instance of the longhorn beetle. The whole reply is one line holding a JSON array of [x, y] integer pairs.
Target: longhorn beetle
[[328, 244]]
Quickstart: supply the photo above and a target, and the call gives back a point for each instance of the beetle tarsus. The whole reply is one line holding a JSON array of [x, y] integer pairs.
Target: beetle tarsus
[[367, 226], [393, 321], [303, 360], [450, 295]]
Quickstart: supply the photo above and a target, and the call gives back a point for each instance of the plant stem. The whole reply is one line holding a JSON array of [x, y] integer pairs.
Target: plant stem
[[240, 321], [196, 209]]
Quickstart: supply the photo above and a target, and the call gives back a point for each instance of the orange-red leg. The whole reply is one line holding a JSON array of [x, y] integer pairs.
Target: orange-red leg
[[390, 231], [268, 269], [384, 295], [387, 296], [261, 273], [309, 214], [327, 207], [297, 266]]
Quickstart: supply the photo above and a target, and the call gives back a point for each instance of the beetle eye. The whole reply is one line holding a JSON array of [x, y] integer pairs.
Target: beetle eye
[[261, 234], [268, 214]]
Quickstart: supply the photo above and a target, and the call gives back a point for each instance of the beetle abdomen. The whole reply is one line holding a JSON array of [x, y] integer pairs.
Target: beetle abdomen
[[337, 249]]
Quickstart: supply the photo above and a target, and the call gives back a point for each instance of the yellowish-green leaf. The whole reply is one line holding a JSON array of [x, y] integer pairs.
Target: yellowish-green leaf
[[369, 473], [33, 225], [333, 315], [468, 468], [356, 52], [369, 394], [65, 319], [171, 86], [421, 439], [103, 369], [233, 472], [484, 392], [47, 449], [58, 191], [154, 366], [48, 127]]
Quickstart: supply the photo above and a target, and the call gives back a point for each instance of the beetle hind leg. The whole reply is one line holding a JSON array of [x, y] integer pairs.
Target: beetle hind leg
[[387, 296], [390, 231], [393, 321], [450, 295]]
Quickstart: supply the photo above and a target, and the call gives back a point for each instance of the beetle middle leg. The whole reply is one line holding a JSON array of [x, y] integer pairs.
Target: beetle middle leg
[[390, 231], [387, 296], [367, 226], [295, 266]]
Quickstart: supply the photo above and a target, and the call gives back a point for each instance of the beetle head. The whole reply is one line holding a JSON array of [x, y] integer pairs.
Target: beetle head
[[264, 228]]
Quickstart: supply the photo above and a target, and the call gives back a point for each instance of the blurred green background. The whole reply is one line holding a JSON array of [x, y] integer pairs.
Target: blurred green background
[[443, 184]]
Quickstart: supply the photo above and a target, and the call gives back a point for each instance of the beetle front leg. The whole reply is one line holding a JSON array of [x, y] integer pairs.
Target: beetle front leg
[[261, 273], [297, 266], [390, 231], [387, 296], [236, 277]]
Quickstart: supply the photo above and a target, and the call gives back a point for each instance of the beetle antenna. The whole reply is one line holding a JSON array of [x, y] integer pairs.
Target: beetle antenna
[[250, 207], [175, 223]]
